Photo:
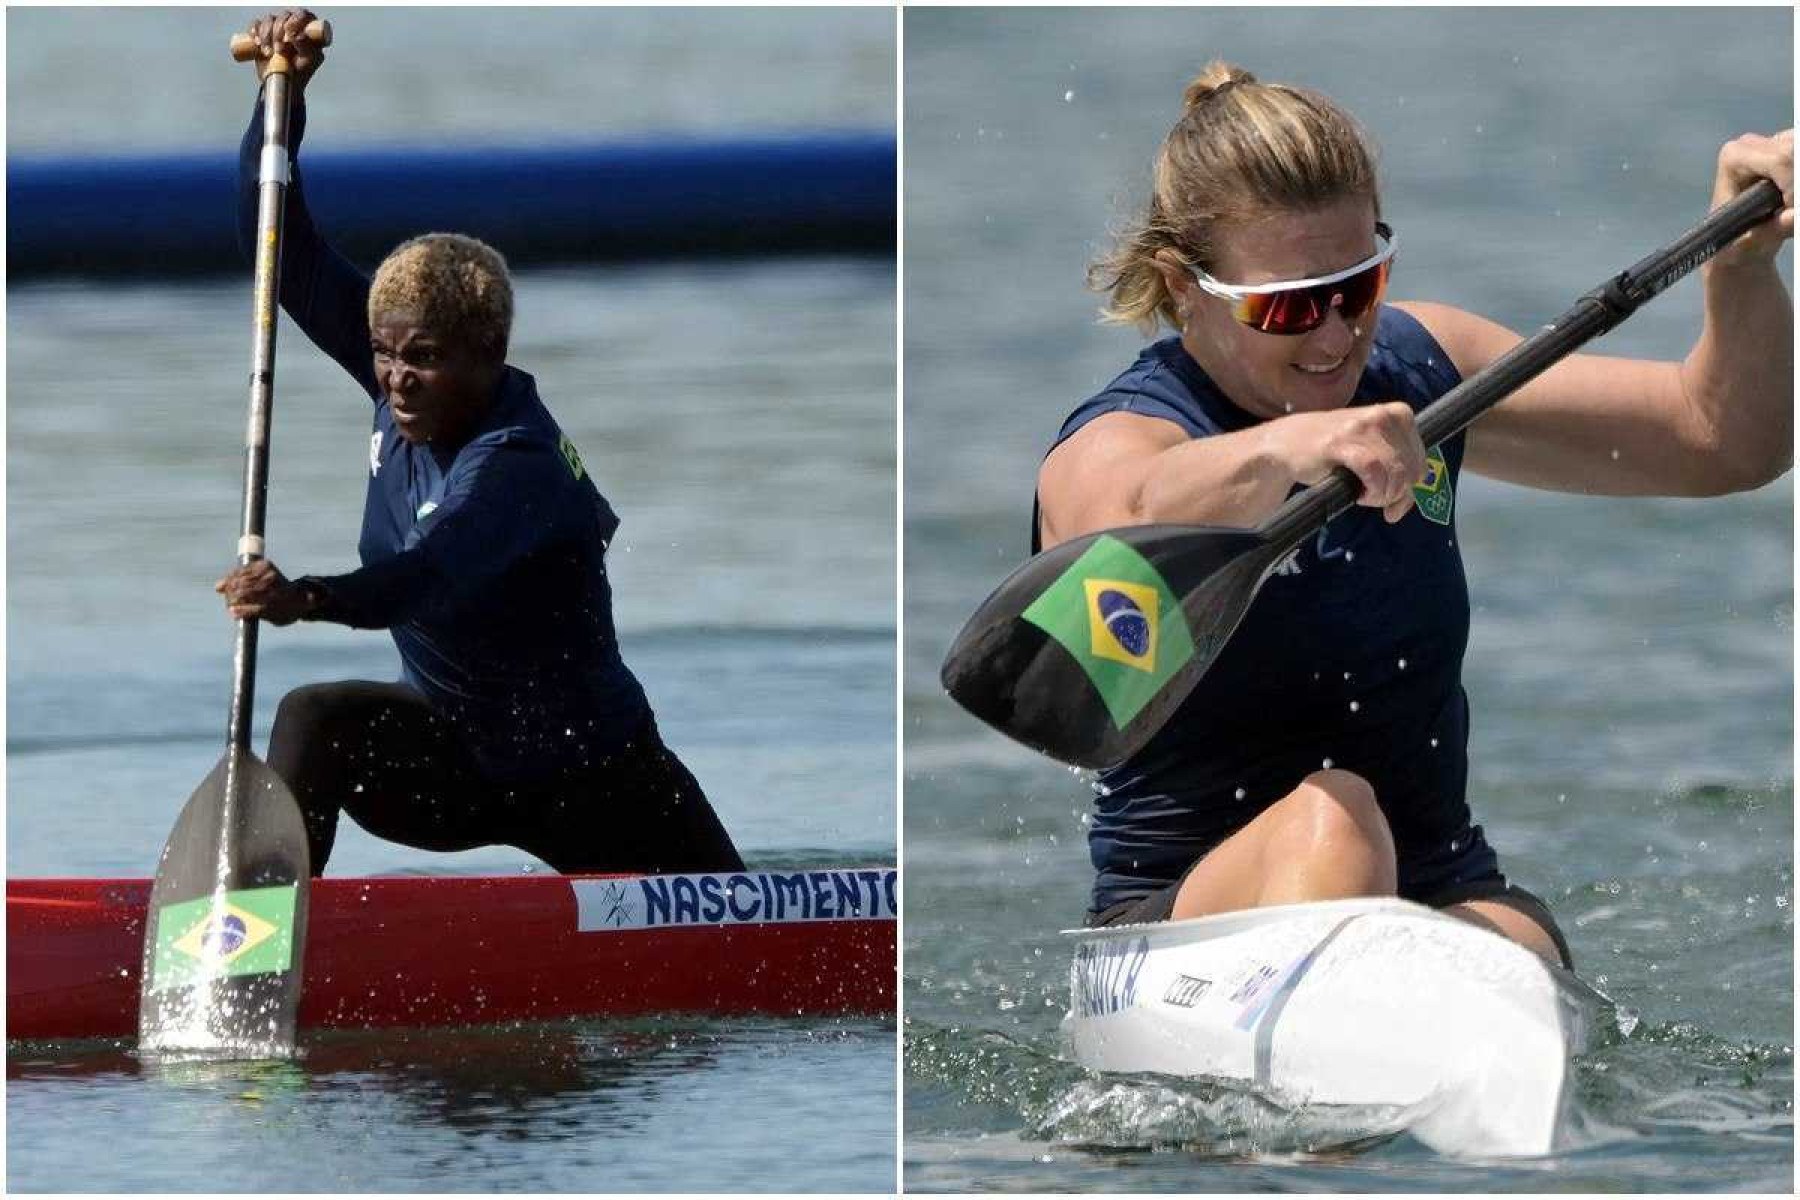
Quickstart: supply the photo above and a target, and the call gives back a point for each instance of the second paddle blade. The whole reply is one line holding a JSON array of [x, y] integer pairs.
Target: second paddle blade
[[1086, 650], [227, 921]]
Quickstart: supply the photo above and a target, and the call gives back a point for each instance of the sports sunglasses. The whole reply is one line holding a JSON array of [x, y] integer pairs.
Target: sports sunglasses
[[1301, 305]]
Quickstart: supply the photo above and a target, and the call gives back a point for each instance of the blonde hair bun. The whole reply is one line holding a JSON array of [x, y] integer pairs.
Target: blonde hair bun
[[1212, 77], [1264, 148]]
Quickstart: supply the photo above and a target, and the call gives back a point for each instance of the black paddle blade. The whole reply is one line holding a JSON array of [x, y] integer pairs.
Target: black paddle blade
[[1086, 649], [227, 921]]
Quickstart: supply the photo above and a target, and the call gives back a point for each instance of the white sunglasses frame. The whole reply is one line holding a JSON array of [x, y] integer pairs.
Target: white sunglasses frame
[[1386, 246]]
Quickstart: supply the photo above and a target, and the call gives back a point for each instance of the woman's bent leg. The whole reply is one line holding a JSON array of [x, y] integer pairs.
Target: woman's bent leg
[[378, 752], [1325, 840], [640, 809]]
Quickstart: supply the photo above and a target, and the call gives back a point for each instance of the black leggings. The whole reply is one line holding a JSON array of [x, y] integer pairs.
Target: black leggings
[[380, 753]]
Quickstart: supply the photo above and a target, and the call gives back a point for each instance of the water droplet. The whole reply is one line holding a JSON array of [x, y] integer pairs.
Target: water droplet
[[1434, 743], [1068, 96], [1328, 764], [1354, 706], [1403, 664], [1615, 455], [1241, 793]]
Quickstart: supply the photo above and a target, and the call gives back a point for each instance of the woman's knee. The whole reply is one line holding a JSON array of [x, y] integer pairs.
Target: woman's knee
[[310, 707], [318, 716], [1336, 811], [324, 733]]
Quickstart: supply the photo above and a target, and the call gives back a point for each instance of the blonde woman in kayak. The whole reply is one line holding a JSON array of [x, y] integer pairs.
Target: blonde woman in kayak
[[1324, 754]]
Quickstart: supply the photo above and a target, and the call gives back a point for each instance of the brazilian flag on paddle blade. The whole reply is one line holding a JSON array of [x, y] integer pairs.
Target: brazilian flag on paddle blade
[[250, 932], [1117, 618]]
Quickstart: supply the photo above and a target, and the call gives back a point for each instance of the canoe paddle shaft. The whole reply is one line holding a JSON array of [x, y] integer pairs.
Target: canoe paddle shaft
[[1602, 309], [1031, 661], [271, 203], [271, 206]]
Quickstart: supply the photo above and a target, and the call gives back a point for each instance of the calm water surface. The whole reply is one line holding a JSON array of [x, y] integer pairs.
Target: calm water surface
[[1631, 661], [738, 416]]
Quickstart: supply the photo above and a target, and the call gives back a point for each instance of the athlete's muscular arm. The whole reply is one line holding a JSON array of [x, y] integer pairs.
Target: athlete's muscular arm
[[1628, 427], [325, 293], [496, 512], [1128, 469], [1719, 421]]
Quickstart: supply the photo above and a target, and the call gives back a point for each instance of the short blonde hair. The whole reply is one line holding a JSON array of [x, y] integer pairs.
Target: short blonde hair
[[1241, 150], [459, 287]]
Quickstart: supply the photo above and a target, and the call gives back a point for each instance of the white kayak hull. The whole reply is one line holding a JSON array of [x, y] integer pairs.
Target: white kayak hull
[[1376, 1002]]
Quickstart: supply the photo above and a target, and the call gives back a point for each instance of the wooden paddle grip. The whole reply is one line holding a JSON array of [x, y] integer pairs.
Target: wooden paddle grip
[[244, 48]]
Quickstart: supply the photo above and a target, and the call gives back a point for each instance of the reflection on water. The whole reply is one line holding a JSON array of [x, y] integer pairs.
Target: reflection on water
[[533, 1100]]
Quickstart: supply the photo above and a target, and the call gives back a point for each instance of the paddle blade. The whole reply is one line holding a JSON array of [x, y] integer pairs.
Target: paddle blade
[[227, 921], [1086, 650]]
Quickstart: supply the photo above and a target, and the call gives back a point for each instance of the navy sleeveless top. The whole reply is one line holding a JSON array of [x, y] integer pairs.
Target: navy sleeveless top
[[1351, 656]]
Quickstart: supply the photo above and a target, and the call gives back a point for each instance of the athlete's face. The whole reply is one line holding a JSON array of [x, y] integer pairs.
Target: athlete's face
[[435, 386], [1267, 374]]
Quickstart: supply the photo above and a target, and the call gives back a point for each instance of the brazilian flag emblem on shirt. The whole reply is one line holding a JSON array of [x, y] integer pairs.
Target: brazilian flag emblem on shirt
[[252, 933], [1432, 495], [1117, 618], [571, 456]]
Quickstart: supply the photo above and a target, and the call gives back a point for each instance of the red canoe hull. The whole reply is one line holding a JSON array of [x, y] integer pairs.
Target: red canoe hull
[[452, 950]]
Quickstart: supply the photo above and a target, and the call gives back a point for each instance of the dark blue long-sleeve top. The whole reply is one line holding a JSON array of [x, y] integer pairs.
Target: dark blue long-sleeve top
[[486, 561]]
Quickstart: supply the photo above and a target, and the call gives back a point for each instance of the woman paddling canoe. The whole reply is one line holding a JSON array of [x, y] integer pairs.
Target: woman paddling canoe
[[1324, 754], [484, 553]]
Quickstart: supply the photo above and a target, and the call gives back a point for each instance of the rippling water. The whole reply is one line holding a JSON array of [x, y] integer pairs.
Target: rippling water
[[542, 1108], [1630, 669], [739, 417]]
